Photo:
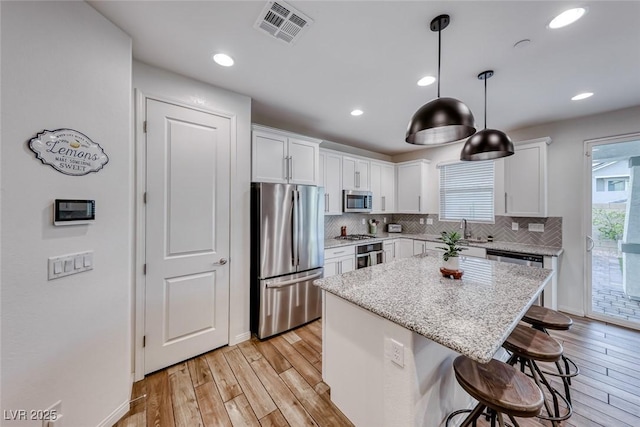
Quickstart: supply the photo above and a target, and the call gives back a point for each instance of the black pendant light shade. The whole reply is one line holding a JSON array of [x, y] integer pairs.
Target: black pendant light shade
[[439, 121], [487, 144], [442, 120]]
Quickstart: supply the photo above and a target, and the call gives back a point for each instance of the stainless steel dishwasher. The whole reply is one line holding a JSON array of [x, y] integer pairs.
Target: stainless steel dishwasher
[[515, 258]]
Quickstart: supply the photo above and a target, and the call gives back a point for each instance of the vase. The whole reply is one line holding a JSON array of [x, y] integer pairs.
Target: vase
[[453, 263]]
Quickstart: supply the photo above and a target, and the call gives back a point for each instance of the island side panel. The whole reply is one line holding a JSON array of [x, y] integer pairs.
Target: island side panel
[[369, 387]]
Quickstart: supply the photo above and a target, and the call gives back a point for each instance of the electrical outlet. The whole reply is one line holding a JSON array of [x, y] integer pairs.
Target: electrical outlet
[[429, 221], [364, 221], [397, 353], [515, 226], [539, 228], [421, 221], [384, 219]]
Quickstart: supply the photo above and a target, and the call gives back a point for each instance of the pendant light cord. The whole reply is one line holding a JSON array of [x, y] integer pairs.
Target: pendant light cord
[[485, 102], [439, 53]]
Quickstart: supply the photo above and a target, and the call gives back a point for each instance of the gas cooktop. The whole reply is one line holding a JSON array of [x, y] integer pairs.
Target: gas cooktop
[[356, 237]]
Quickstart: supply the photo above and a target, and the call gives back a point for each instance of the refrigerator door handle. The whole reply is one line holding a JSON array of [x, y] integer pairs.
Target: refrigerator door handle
[[293, 281], [295, 225]]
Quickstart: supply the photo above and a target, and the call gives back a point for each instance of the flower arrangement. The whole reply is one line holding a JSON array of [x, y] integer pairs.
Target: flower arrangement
[[452, 249]]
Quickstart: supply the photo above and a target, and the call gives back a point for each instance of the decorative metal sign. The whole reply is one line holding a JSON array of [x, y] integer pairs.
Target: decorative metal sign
[[68, 151]]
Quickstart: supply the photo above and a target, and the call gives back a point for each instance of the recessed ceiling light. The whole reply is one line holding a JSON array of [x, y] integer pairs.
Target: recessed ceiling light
[[580, 96], [426, 81], [567, 17], [223, 59], [357, 112]]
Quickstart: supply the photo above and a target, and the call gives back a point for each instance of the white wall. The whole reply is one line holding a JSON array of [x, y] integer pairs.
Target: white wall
[[166, 85], [64, 65], [566, 163], [354, 150]]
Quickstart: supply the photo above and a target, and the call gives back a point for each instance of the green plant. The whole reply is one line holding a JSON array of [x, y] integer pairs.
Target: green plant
[[609, 222], [452, 249]]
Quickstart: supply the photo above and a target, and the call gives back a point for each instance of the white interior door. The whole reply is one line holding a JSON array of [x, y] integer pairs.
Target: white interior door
[[187, 233]]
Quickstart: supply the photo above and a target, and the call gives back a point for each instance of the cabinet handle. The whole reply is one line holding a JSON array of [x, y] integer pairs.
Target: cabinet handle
[[286, 168], [326, 203], [290, 167], [419, 204], [505, 202], [357, 179], [384, 203]]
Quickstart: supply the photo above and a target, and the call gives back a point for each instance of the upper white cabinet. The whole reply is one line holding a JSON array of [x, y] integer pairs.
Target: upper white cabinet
[[383, 184], [355, 173], [331, 180], [525, 183], [282, 157], [411, 186]]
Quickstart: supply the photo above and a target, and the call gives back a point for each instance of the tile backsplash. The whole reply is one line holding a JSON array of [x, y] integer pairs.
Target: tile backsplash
[[501, 230]]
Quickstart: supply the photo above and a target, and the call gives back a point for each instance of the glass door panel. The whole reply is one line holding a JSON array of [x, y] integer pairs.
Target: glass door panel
[[613, 231]]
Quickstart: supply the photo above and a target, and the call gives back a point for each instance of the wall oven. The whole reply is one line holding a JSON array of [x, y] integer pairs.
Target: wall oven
[[369, 254], [357, 201]]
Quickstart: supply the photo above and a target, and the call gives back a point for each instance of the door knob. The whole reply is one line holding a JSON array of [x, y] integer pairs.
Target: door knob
[[222, 261]]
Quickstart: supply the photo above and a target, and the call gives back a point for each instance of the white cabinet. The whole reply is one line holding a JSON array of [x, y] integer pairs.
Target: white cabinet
[[525, 179], [282, 157], [411, 186], [403, 248], [469, 251], [418, 247], [339, 260], [389, 248], [383, 179], [355, 173], [331, 180]]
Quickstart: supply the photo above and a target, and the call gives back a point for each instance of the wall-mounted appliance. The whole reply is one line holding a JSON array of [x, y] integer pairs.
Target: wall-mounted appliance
[[73, 212], [357, 201]]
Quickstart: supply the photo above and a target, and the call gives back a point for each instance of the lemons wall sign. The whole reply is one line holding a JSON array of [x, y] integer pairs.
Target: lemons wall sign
[[68, 151]]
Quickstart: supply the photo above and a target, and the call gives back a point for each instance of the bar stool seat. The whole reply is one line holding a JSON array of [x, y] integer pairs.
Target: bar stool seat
[[498, 386], [542, 317], [528, 346]]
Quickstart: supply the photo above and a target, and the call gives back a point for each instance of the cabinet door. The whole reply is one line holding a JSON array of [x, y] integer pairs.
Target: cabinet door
[[409, 188], [349, 173], [418, 247], [362, 174], [404, 248], [347, 264], [376, 187], [388, 188], [333, 184], [268, 157], [303, 162], [331, 268], [389, 250], [525, 181]]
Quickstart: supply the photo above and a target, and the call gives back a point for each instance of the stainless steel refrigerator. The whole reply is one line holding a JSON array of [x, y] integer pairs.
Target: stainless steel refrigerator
[[287, 255]]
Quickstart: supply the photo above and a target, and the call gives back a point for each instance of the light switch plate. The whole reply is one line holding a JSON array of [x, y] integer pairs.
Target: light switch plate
[[421, 221], [429, 221], [539, 228], [515, 226], [65, 265]]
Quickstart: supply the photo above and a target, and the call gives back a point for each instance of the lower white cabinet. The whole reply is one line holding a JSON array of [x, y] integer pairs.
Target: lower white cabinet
[[403, 248], [339, 260], [389, 248], [419, 247]]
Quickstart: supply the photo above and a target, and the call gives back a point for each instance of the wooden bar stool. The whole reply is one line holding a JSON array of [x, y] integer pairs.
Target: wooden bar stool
[[528, 346], [500, 388], [542, 319]]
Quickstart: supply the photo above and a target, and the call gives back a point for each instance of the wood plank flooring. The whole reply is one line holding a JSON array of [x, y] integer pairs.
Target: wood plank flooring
[[278, 383]]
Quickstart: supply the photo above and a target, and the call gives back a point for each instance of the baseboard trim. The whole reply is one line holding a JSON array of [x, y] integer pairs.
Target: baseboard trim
[[245, 336], [115, 416], [570, 310]]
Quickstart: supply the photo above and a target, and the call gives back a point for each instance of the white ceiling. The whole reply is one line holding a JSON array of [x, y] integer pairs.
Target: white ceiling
[[370, 54]]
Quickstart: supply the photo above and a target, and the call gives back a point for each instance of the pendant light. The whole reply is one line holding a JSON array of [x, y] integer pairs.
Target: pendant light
[[488, 143], [442, 120]]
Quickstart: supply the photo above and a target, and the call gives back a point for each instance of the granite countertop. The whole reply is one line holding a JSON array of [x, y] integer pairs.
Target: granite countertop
[[503, 246], [472, 316]]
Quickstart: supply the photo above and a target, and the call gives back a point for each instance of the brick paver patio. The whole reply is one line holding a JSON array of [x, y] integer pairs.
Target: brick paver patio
[[608, 296]]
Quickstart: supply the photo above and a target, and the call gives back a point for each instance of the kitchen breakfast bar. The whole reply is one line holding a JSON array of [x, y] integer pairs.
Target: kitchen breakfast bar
[[392, 331]]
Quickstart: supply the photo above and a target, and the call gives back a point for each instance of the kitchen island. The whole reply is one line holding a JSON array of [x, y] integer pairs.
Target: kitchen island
[[391, 332]]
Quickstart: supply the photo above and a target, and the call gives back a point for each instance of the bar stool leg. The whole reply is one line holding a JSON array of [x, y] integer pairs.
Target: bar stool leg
[[566, 381]]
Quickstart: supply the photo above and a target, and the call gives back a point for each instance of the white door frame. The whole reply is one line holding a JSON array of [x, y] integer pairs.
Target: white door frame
[[586, 226], [138, 307]]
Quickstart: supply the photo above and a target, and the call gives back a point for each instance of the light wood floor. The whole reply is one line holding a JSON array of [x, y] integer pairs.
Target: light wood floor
[[277, 382]]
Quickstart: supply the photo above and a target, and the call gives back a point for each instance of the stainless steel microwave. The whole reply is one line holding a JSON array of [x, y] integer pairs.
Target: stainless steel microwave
[[357, 201]]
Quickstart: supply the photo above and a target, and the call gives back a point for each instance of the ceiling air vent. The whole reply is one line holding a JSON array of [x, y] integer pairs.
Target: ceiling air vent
[[283, 22]]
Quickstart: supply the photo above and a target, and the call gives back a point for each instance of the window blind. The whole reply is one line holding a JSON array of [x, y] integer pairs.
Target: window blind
[[466, 191]]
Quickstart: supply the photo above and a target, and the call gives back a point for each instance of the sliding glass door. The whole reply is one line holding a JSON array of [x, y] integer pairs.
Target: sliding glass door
[[613, 230]]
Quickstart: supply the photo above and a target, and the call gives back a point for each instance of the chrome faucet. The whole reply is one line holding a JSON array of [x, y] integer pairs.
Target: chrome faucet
[[463, 225]]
